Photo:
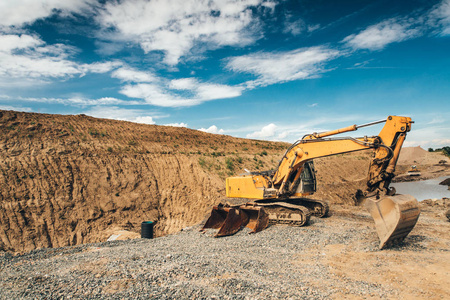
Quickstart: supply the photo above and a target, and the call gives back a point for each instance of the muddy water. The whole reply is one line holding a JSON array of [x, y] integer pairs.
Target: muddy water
[[426, 189]]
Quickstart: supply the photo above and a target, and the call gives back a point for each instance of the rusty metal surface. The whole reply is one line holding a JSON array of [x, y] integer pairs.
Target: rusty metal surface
[[257, 218], [230, 219]]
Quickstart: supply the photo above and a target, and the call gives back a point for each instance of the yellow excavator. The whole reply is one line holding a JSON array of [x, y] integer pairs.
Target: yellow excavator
[[279, 196]]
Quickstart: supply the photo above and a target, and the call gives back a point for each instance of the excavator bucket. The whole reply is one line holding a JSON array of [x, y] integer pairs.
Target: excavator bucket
[[257, 218], [229, 220], [226, 219], [394, 216]]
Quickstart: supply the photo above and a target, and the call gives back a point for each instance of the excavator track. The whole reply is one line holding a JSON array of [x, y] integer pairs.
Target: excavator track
[[318, 208], [286, 213], [281, 212]]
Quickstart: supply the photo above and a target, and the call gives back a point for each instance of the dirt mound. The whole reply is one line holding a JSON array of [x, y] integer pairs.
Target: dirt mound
[[417, 155], [67, 180], [429, 164]]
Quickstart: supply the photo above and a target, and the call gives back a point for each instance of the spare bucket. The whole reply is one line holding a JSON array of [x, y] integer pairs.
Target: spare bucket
[[147, 230], [230, 219]]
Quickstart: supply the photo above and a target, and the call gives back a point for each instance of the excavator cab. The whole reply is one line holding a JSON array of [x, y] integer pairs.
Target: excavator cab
[[307, 184]]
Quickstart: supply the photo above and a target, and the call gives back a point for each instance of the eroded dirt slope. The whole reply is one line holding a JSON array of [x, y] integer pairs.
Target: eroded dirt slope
[[67, 180]]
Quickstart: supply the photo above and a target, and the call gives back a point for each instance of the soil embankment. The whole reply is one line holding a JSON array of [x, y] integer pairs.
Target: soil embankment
[[67, 180]]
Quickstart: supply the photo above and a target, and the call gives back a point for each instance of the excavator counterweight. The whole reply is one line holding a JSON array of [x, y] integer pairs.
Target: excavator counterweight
[[283, 192]]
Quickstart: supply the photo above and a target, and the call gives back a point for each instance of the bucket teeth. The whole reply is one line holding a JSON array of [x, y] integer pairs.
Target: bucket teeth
[[230, 219]]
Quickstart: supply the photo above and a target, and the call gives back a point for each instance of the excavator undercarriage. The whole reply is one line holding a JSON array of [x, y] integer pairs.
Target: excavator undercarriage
[[259, 199]]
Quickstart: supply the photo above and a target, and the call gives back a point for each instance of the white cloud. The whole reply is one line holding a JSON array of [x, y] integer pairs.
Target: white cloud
[[271, 68], [15, 108], [294, 27], [173, 93], [313, 27], [294, 130], [440, 17], [35, 58], [208, 91], [117, 113], [313, 105], [282, 135], [378, 36], [176, 124], [99, 101], [433, 136], [269, 4], [29, 58], [144, 120], [394, 30], [75, 100], [20, 12], [132, 75], [101, 67], [183, 84], [266, 132], [213, 129], [437, 120], [10, 42], [176, 27], [156, 95]]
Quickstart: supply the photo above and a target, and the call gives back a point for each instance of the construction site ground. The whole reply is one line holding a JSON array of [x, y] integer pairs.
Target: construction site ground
[[333, 258]]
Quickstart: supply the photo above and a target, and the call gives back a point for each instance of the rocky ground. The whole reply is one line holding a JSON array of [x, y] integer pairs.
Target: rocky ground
[[335, 257]]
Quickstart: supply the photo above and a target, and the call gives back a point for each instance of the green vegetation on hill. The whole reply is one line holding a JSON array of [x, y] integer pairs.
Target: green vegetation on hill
[[445, 150]]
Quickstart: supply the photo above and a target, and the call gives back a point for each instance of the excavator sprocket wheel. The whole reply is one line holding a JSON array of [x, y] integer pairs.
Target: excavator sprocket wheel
[[320, 210]]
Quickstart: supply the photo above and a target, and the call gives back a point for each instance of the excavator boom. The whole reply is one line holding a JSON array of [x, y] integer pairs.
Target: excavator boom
[[282, 192]]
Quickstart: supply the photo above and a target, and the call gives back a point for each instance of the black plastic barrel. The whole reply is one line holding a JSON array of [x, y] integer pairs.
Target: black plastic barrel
[[147, 230]]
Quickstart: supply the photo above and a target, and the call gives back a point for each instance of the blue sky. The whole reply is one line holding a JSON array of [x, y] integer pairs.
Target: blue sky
[[261, 69]]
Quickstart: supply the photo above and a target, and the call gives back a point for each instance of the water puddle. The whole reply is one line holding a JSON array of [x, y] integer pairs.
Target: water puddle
[[426, 189]]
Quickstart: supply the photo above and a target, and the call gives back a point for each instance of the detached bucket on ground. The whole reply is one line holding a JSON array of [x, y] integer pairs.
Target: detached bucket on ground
[[147, 229], [230, 219]]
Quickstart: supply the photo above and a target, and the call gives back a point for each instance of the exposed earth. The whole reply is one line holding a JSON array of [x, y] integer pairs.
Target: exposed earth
[[333, 258], [72, 180]]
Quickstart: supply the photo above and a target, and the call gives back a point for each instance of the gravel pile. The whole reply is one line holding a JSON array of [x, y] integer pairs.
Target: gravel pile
[[280, 262]]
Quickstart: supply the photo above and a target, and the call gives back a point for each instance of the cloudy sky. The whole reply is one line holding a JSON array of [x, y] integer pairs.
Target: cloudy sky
[[261, 69]]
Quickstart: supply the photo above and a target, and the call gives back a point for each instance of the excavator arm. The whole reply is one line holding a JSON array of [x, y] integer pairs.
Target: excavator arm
[[386, 145]]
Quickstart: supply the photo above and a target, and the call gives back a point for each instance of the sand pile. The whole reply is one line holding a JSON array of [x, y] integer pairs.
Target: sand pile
[[417, 155]]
